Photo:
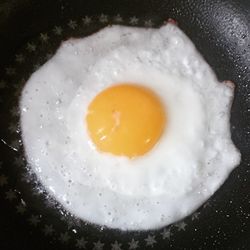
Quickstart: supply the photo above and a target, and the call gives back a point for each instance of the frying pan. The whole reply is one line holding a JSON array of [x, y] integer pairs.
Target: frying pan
[[31, 31]]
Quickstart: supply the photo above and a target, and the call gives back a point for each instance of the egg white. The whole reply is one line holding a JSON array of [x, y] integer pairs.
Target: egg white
[[191, 160]]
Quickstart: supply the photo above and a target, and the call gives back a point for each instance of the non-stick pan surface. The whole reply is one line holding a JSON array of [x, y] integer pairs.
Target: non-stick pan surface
[[31, 31]]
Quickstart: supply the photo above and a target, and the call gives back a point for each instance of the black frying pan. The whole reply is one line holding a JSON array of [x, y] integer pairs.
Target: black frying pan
[[30, 31]]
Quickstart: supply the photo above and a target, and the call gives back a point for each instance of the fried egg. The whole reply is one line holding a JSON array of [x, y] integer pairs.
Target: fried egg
[[129, 127]]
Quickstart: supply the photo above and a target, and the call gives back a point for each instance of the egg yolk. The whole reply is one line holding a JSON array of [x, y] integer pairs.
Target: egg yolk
[[126, 119]]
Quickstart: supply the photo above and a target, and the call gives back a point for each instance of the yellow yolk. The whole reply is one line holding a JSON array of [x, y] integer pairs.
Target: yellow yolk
[[126, 120]]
